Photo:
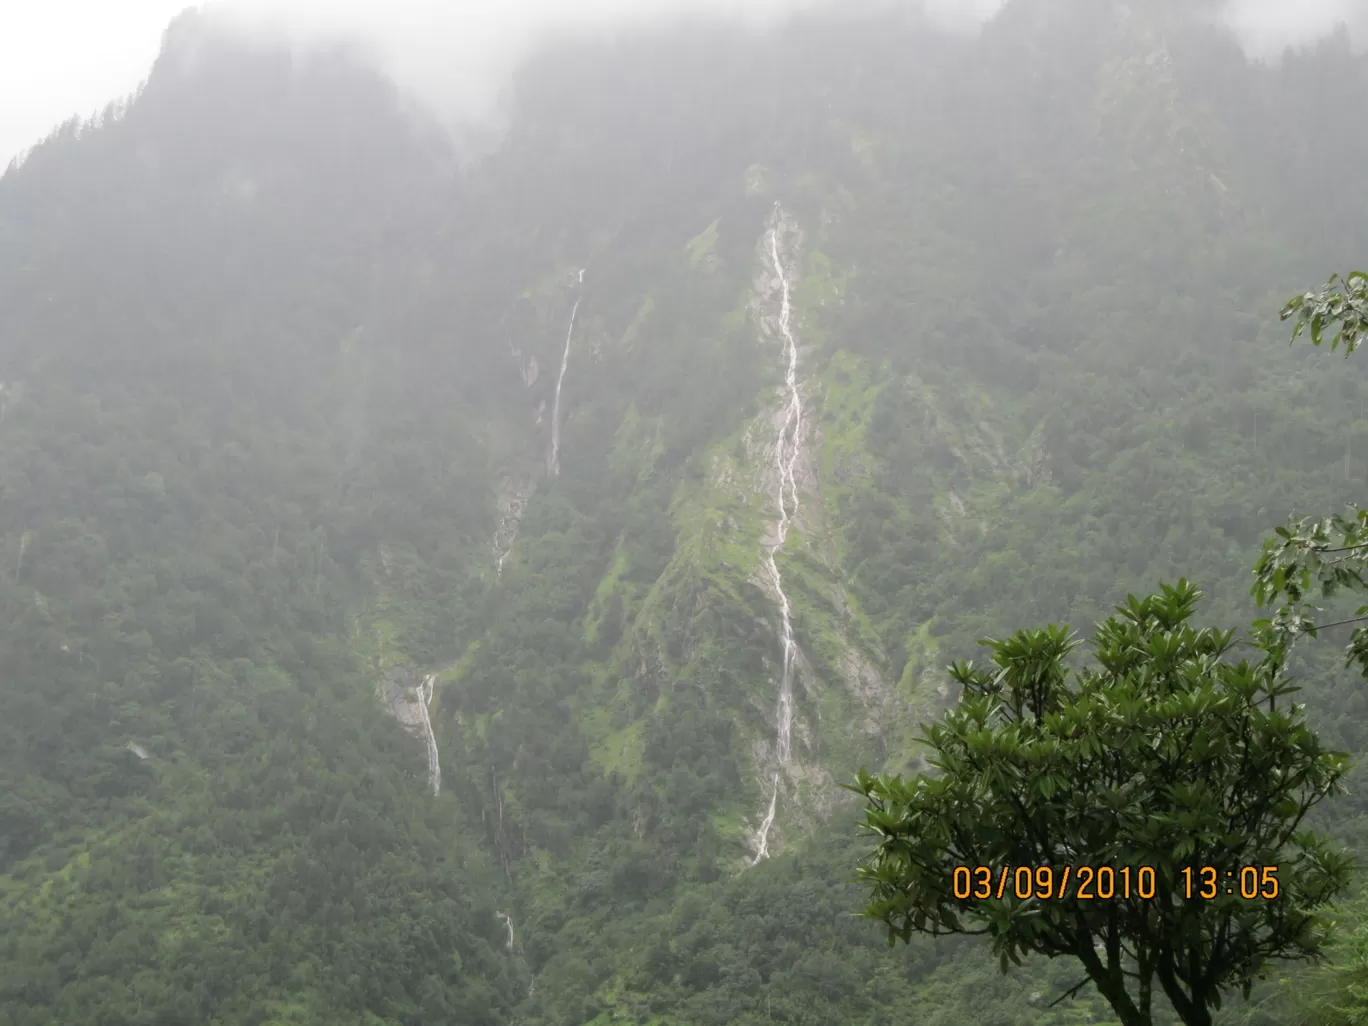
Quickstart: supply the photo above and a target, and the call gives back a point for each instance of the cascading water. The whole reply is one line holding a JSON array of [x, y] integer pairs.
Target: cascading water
[[408, 703], [508, 922], [507, 533], [786, 451], [553, 463], [425, 692]]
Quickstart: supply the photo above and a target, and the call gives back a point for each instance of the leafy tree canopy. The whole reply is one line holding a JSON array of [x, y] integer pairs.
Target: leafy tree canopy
[[1341, 307], [1319, 555], [1164, 754]]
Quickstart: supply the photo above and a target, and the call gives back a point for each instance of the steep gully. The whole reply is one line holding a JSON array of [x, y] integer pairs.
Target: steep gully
[[425, 727], [408, 703], [508, 528], [786, 451], [424, 692], [507, 532], [553, 463]]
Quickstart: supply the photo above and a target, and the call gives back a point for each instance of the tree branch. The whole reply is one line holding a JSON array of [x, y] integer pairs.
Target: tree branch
[[1071, 992]]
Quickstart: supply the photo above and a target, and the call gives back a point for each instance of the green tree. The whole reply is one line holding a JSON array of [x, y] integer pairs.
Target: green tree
[[1341, 307], [1164, 756], [1319, 556], [1336, 993]]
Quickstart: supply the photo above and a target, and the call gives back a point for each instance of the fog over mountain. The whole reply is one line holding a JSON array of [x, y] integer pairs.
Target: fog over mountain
[[1267, 27], [454, 56], [457, 57]]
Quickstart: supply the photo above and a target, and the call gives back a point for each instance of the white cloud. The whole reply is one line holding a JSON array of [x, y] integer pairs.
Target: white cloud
[[459, 53], [65, 57], [456, 55], [1266, 28], [962, 14]]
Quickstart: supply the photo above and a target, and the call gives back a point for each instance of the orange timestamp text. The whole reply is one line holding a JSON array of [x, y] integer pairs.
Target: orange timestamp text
[[1045, 883], [1109, 883]]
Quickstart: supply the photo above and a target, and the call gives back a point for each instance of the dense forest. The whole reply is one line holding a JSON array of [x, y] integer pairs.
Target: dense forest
[[280, 376]]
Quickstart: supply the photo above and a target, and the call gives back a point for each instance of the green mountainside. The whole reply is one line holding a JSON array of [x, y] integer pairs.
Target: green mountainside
[[316, 436]]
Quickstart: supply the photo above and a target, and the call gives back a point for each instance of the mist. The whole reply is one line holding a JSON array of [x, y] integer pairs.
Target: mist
[[455, 57], [1266, 28]]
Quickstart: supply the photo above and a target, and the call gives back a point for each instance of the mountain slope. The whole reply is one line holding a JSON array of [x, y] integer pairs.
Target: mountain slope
[[305, 421]]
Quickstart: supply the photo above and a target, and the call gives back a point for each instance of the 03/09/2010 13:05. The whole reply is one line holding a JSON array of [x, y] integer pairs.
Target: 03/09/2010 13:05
[[1107, 883]]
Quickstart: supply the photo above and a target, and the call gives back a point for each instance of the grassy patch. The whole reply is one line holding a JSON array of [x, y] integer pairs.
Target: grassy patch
[[620, 752], [701, 251]]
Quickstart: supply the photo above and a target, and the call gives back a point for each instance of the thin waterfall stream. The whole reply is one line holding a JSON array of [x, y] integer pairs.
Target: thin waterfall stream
[[425, 692], [508, 922], [553, 463], [786, 451]]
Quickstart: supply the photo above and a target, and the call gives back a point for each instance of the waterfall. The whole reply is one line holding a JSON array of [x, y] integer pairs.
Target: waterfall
[[508, 922], [408, 703], [425, 691], [787, 447], [507, 533], [553, 464]]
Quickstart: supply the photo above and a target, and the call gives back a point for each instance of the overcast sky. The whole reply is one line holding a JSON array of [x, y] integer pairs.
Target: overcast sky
[[65, 57]]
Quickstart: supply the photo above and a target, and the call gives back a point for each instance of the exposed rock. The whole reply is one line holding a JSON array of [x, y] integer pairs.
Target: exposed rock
[[527, 365], [407, 697], [402, 691], [512, 501], [866, 684]]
